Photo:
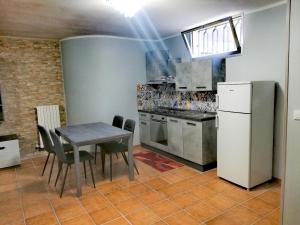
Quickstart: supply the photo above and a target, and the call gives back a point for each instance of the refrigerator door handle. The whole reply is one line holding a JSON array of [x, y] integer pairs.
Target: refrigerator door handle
[[217, 121], [217, 101]]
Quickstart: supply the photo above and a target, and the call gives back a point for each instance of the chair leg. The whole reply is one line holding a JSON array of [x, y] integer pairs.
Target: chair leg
[[117, 155], [45, 164], [92, 173], [95, 153], [103, 161], [64, 181], [58, 173], [51, 169], [110, 160], [84, 168], [125, 158]]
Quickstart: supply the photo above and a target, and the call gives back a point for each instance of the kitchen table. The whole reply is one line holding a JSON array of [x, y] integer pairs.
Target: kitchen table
[[94, 133]]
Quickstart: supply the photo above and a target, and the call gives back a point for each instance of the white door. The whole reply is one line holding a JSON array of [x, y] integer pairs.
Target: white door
[[233, 154], [235, 97]]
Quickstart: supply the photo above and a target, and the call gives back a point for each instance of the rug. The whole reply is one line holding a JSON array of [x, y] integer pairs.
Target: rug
[[157, 161]]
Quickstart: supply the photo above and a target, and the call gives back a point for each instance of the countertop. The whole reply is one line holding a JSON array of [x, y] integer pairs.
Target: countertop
[[182, 114]]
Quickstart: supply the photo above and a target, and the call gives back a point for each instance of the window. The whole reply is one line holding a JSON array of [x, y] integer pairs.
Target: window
[[220, 37]]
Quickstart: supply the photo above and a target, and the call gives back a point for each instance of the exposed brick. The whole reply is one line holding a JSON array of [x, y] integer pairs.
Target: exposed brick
[[30, 75]]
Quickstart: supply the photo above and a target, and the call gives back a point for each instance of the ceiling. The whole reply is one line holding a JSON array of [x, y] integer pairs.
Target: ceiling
[[57, 19]]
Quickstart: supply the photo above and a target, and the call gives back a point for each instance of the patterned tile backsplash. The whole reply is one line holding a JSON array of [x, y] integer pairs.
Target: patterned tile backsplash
[[166, 96]]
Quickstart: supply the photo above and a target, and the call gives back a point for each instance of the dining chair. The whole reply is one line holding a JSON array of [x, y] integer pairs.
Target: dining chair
[[117, 122], [68, 159], [117, 147], [48, 146]]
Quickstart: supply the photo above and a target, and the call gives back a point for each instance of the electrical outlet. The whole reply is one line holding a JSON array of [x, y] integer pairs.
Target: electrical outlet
[[297, 115]]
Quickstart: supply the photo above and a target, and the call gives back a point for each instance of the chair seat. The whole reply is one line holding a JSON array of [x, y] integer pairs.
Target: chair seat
[[83, 156], [68, 147], [114, 147]]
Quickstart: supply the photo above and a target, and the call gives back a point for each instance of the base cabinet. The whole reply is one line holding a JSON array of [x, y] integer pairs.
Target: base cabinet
[[175, 140], [192, 141], [144, 125], [9, 153]]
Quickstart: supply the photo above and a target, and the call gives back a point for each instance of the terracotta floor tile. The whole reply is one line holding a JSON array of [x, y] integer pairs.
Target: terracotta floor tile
[[104, 215], [68, 211], [164, 208], [144, 216], [107, 187], [185, 172], [157, 183], [218, 185], [170, 190], [180, 219], [119, 221], [266, 221], [37, 209], [202, 192], [159, 223], [258, 206], [271, 198], [47, 218], [220, 202], [184, 200], [242, 215], [11, 217], [11, 204], [138, 189], [171, 178], [202, 212], [221, 220], [237, 194], [80, 220], [94, 202], [203, 179], [119, 195], [274, 216], [130, 205], [152, 197]]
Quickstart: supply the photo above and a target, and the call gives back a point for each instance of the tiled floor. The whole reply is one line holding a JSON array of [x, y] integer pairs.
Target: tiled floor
[[180, 196]]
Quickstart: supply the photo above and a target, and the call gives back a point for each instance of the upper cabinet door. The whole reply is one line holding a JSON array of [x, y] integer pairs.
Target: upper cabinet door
[[235, 97], [202, 75], [183, 76], [156, 65]]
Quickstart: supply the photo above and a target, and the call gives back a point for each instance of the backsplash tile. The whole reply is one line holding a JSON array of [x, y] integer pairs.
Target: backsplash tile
[[166, 96]]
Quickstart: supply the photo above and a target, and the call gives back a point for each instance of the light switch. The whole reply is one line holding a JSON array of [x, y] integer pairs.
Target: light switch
[[297, 115]]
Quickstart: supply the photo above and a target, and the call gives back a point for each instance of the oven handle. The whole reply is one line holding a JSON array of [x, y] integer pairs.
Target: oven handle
[[159, 121]]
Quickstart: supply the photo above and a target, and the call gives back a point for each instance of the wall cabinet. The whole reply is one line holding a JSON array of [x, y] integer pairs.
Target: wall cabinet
[[175, 141], [200, 75], [156, 65]]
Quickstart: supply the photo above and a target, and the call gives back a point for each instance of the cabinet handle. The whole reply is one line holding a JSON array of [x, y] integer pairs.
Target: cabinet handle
[[217, 122], [182, 87], [175, 121], [191, 124], [201, 87], [217, 101], [144, 123], [2, 148]]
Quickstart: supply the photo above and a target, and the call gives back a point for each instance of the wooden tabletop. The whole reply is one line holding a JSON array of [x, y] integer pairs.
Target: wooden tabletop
[[93, 133]]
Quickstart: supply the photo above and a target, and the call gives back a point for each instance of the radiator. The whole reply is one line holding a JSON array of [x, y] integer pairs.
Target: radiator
[[48, 117]]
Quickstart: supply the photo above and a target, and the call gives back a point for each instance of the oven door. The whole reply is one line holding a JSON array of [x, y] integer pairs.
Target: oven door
[[159, 132]]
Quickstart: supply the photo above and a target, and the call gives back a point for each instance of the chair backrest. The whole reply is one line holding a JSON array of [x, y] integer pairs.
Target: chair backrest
[[58, 147], [48, 145], [118, 121], [129, 125]]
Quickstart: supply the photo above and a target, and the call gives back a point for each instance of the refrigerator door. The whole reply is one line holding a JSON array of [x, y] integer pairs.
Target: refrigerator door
[[233, 154], [235, 97]]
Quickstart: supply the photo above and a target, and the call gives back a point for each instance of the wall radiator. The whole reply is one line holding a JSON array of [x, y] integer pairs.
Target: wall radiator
[[48, 117]]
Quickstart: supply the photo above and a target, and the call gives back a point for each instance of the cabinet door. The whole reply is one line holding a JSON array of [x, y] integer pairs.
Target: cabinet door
[[192, 141], [202, 75], [175, 139], [183, 76], [144, 131], [156, 65]]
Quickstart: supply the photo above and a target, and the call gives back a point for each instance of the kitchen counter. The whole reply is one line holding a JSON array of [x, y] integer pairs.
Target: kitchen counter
[[182, 114]]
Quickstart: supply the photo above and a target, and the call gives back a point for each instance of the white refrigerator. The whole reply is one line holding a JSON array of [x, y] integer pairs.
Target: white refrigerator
[[245, 132]]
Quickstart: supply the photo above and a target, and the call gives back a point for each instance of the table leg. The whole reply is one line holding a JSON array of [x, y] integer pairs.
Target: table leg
[[130, 158], [77, 170]]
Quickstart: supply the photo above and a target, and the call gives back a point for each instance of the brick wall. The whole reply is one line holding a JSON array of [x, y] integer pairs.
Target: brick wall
[[30, 75]]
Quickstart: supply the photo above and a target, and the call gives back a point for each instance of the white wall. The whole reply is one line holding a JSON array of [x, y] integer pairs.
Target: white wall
[[100, 78], [291, 209], [264, 58]]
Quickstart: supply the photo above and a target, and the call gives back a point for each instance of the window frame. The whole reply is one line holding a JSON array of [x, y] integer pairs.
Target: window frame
[[228, 19]]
